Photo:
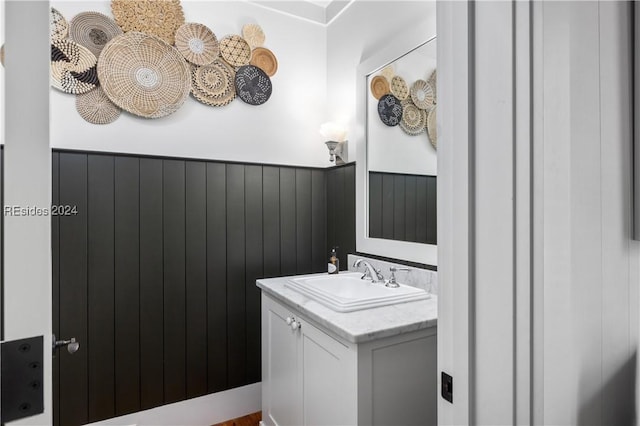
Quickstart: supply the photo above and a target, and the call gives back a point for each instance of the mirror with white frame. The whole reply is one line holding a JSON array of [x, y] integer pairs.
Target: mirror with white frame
[[397, 164]]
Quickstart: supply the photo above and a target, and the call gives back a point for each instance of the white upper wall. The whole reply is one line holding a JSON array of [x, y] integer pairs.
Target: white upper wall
[[358, 33], [315, 83], [282, 131]]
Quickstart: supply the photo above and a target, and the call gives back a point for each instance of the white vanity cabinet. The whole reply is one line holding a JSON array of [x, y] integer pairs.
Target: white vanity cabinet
[[310, 376]]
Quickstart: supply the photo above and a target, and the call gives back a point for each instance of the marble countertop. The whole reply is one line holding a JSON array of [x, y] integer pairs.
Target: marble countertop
[[358, 326]]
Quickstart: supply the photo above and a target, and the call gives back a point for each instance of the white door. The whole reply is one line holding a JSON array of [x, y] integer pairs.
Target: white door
[[27, 182]]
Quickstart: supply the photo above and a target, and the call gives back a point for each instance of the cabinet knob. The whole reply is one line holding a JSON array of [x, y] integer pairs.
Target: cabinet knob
[[290, 320], [295, 325]]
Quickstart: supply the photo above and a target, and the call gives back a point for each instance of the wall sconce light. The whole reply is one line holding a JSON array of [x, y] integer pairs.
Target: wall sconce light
[[336, 136]]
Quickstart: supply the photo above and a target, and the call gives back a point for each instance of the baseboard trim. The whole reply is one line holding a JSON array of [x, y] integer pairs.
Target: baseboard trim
[[206, 410]]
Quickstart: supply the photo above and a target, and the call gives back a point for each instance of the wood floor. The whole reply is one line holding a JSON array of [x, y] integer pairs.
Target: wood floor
[[248, 420]]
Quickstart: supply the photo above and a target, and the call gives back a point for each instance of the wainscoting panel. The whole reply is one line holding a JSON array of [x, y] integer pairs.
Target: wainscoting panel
[[196, 277], [402, 207], [100, 284], [73, 294], [217, 318], [151, 288], [155, 275], [236, 275], [341, 212], [127, 284]]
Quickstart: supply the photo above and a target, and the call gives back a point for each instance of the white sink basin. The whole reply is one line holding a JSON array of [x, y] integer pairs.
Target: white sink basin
[[346, 292]]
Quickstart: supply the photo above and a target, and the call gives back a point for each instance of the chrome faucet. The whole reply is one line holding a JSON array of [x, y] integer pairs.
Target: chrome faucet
[[370, 272]]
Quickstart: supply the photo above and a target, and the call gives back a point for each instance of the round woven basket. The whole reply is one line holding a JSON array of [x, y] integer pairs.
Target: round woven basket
[[93, 30], [197, 43], [432, 127], [379, 86], [388, 73], [144, 75], [96, 108], [235, 50], [160, 18], [213, 84], [58, 26], [254, 35], [265, 60], [73, 67], [422, 94], [414, 119], [390, 110], [432, 82], [253, 85], [399, 88]]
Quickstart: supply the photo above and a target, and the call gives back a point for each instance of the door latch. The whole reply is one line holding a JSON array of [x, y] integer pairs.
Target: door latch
[[71, 344]]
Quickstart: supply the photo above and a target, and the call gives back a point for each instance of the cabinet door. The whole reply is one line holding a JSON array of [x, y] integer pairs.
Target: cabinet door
[[281, 402], [328, 379]]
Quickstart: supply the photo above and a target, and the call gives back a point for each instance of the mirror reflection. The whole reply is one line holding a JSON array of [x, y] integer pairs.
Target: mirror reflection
[[401, 147]]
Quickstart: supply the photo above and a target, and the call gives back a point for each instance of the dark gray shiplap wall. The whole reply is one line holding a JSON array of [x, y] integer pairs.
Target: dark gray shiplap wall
[[403, 207], [155, 275], [341, 211]]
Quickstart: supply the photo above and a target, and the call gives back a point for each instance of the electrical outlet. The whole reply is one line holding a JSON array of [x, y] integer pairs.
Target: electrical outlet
[[447, 387]]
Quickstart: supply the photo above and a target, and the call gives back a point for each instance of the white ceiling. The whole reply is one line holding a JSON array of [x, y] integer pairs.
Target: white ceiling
[[321, 3], [320, 11]]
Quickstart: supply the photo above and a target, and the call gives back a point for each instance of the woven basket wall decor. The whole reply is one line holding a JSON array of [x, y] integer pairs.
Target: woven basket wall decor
[[144, 75], [197, 43], [160, 18], [399, 88], [58, 26], [379, 86], [264, 59], [93, 30], [390, 110], [433, 78], [73, 67], [254, 35], [388, 73], [422, 94], [235, 50], [96, 108], [414, 119], [213, 84], [432, 129], [253, 85]]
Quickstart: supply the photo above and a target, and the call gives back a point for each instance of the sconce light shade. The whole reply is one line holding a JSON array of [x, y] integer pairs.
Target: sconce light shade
[[333, 132]]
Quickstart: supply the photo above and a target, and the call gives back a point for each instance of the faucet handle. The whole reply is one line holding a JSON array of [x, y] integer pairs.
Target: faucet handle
[[392, 280]]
